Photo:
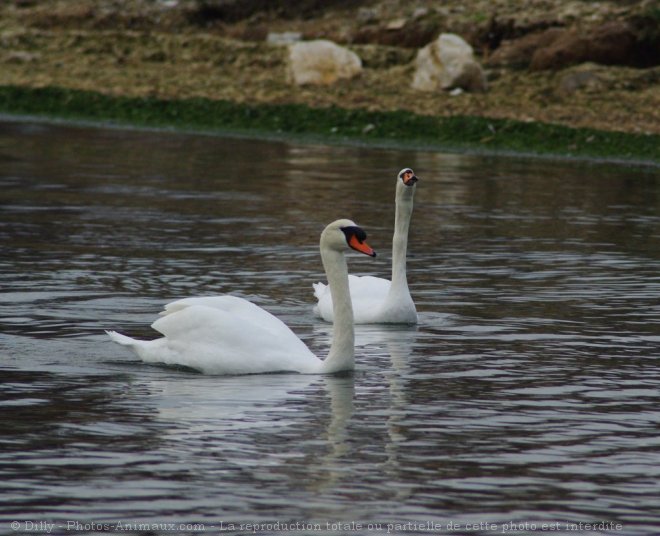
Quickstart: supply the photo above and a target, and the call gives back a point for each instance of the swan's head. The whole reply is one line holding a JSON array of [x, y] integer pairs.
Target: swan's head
[[407, 177], [343, 234]]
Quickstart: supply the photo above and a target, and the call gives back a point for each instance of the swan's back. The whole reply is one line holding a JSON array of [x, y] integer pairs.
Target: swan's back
[[226, 335]]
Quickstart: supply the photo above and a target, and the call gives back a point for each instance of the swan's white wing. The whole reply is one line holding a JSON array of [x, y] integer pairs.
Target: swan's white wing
[[368, 287], [368, 294], [229, 336], [230, 304]]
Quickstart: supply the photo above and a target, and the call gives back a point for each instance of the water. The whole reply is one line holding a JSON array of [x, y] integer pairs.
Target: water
[[527, 395]]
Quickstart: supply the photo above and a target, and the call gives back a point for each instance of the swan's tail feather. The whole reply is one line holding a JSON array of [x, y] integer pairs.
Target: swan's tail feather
[[120, 339], [319, 290]]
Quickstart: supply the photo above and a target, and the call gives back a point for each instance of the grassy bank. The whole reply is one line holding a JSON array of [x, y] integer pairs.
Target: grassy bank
[[464, 133]]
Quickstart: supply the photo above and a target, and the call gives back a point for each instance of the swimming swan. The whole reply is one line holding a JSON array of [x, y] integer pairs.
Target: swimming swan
[[376, 300], [230, 335]]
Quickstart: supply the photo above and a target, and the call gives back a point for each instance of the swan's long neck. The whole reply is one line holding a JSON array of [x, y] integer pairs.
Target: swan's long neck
[[341, 355], [404, 208]]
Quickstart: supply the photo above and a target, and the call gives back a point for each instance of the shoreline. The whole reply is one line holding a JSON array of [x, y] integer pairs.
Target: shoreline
[[331, 125]]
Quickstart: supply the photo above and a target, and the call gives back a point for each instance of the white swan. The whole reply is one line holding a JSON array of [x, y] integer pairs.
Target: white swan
[[230, 335], [377, 300]]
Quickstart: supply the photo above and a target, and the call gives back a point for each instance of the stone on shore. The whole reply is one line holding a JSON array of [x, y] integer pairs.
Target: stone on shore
[[321, 62], [448, 63]]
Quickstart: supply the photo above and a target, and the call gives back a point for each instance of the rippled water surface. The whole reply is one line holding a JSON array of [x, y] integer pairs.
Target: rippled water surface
[[527, 395]]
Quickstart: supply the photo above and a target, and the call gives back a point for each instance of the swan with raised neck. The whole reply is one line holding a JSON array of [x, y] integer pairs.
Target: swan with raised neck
[[374, 299]]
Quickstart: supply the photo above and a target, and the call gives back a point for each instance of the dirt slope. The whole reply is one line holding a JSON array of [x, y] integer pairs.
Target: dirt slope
[[219, 49]]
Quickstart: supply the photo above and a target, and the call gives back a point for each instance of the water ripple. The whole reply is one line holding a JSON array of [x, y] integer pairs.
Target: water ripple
[[527, 393]]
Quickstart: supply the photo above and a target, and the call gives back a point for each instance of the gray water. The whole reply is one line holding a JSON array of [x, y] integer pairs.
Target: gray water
[[525, 400]]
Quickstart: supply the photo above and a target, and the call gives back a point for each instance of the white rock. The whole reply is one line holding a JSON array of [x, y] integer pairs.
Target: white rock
[[448, 63], [321, 62], [396, 24], [420, 12]]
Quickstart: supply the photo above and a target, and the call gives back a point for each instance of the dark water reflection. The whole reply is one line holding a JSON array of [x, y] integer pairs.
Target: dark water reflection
[[528, 393]]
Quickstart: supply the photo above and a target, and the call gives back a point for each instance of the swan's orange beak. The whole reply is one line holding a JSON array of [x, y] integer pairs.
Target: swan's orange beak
[[362, 247]]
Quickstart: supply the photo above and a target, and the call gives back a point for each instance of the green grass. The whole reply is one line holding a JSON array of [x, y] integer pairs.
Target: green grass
[[332, 124]]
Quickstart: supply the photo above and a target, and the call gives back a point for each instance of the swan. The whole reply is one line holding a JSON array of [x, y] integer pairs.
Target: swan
[[230, 335], [376, 300]]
